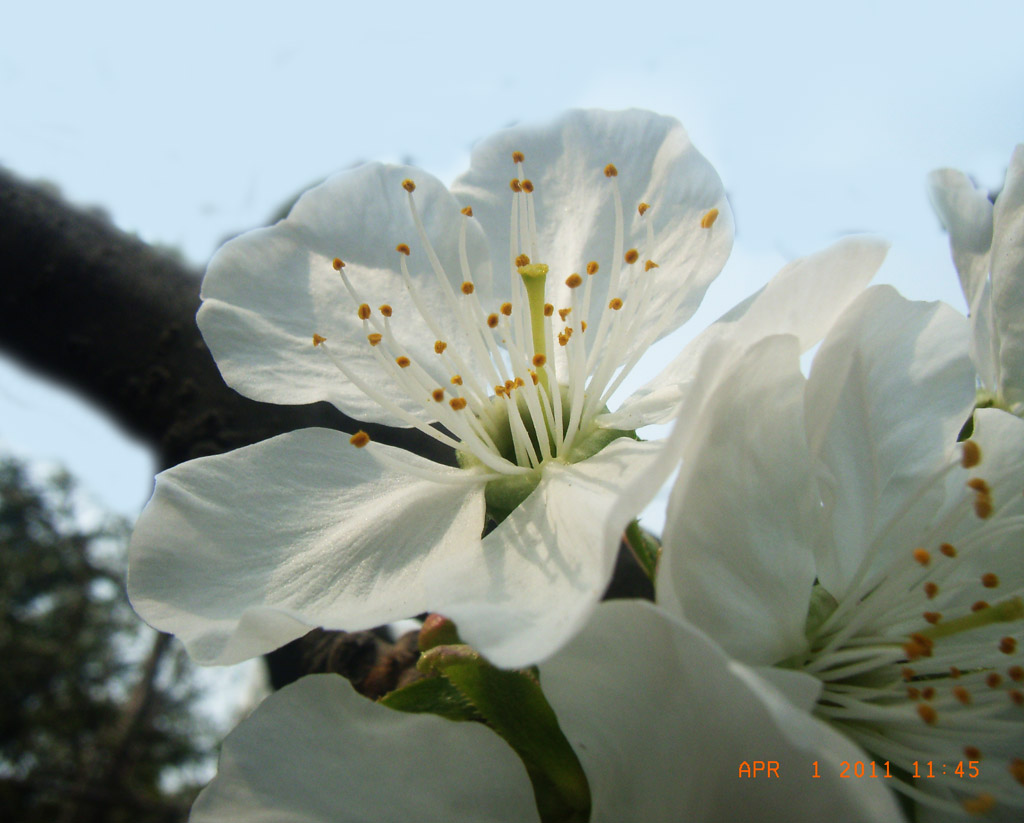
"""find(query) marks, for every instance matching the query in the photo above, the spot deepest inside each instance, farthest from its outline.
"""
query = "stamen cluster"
(921, 660)
(508, 402)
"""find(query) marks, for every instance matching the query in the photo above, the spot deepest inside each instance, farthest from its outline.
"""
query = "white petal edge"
(803, 299)
(657, 164)
(268, 291)
(662, 719)
(1007, 264)
(318, 752)
(889, 390)
(240, 553)
(744, 516)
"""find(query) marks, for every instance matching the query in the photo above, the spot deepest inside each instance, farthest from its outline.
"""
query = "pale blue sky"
(192, 121)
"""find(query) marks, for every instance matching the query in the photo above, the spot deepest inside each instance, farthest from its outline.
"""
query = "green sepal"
(646, 547)
(513, 705)
(432, 695)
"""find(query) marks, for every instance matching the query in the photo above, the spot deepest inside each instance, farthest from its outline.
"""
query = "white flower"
(988, 250)
(508, 312)
(833, 528)
(659, 717)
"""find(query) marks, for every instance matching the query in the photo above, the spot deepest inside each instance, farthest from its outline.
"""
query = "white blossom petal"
(543, 569)
(890, 387)
(1008, 280)
(268, 292)
(240, 553)
(803, 299)
(576, 223)
(316, 752)
(743, 516)
(662, 719)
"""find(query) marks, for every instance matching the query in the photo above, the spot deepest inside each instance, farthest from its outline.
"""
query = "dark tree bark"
(114, 319)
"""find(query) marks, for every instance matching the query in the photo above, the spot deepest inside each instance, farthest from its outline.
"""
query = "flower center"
(920, 669)
(505, 401)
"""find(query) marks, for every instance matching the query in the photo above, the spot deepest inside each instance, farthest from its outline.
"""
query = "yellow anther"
(528, 186)
(922, 556)
(978, 485)
(359, 439)
(989, 580)
(994, 680)
(611, 171)
(467, 288)
(961, 694)
(1008, 645)
(918, 646)
(509, 385)
(948, 549)
(931, 589)
(563, 313)
(982, 804)
(385, 309)
(338, 263)
(408, 185)
(928, 693)
(583, 325)
(979, 605)
(499, 390)
(363, 312)
(927, 713)
(438, 395)
(642, 208)
(1016, 768)
(492, 321)
(403, 361)
(592, 267)
(548, 310)
(907, 673)
(1016, 674)
(632, 256)
(709, 218)
(318, 339)
(539, 360)
(970, 456)
(440, 346)
(983, 506)
(563, 338)
(1017, 697)
(457, 403)
(522, 260)
(534, 378)
(972, 752)
(456, 380)
(374, 338)
(403, 248)
(615, 304)
(468, 211)
(650, 264)
(518, 157)
(913, 693)
(954, 672)
(573, 281)
(515, 185)
(506, 309)
(520, 382)
(932, 617)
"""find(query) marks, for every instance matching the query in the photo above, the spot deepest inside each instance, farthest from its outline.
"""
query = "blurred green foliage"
(95, 720)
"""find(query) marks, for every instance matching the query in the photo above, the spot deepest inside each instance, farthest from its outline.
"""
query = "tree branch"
(114, 319)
